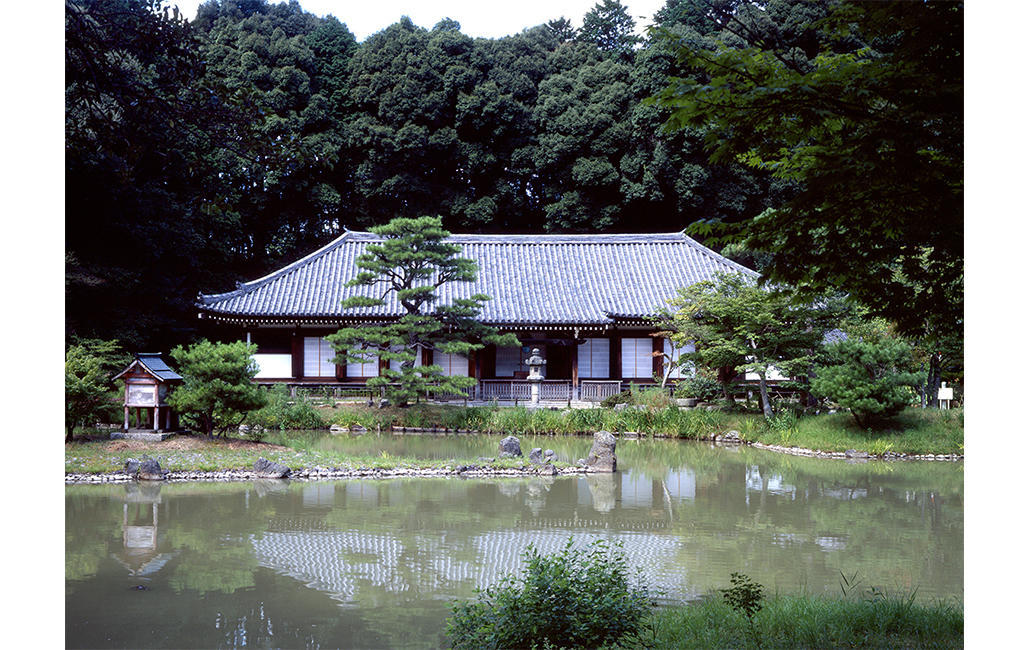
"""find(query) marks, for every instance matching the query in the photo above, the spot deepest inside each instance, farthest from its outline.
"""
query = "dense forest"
(200, 153)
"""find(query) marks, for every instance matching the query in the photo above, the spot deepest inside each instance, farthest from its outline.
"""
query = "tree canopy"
(824, 138)
(861, 105)
(737, 326)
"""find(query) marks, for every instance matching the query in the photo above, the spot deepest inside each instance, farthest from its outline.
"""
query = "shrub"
(578, 598)
(870, 379)
(702, 388)
(625, 397)
(746, 596)
(218, 391)
(284, 412)
(88, 393)
(655, 398)
(781, 420)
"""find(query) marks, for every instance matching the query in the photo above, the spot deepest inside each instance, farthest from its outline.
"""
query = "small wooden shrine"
(148, 381)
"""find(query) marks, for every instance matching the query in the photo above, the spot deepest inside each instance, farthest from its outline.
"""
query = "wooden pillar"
(574, 367)
(297, 351)
(658, 346)
(615, 357)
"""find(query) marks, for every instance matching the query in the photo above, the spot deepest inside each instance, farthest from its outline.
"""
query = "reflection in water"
(374, 564)
(140, 524)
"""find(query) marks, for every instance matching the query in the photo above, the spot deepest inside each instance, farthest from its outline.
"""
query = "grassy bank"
(876, 620)
(94, 454)
(915, 431)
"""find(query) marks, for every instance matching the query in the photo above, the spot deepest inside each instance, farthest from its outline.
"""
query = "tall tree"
(289, 65)
(562, 29)
(609, 26)
(143, 230)
(412, 263)
(703, 16)
(870, 126)
(581, 115)
(405, 83)
(667, 179)
(737, 326)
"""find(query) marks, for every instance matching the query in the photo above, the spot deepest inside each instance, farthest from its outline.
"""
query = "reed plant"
(584, 420)
(509, 421)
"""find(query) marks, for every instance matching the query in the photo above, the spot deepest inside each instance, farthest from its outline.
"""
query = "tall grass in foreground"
(808, 621)
(584, 597)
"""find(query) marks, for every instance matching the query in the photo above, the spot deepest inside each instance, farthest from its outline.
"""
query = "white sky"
(478, 18)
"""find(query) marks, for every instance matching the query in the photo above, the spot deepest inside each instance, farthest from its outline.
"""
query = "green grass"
(99, 456)
(915, 431)
(876, 620)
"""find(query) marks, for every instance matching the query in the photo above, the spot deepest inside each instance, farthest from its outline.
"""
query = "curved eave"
(534, 281)
(329, 320)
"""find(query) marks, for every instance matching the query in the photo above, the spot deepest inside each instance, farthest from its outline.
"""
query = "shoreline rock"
(334, 473)
(853, 455)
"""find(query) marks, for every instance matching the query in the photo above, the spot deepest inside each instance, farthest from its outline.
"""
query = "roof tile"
(531, 279)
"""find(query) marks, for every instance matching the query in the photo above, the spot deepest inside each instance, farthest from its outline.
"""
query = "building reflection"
(140, 526)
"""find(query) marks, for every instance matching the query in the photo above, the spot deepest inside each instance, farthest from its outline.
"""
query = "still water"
(374, 564)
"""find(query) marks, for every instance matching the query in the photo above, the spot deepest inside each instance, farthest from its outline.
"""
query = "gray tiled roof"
(153, 363)
(531, 279)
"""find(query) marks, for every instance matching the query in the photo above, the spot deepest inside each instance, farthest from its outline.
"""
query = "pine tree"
(412, 262)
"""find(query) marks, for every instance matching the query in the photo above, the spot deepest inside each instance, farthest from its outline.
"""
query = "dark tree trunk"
(766, 404)
(725, 377)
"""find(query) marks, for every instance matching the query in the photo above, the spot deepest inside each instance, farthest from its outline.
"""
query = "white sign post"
(945, 396)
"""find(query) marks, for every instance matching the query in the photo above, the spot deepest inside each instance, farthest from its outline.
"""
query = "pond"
(376, 563)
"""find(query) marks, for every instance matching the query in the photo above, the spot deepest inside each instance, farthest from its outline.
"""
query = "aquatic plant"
(582, 597)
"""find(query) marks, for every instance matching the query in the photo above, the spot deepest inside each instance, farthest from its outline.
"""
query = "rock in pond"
(145, 470)
(602, 454)
(269, 469)
(509, 447)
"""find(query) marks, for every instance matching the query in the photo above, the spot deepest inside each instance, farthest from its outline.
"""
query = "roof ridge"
(243, 287)
(615, 274)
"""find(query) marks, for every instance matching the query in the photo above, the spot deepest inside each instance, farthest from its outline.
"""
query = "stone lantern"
(535, 378)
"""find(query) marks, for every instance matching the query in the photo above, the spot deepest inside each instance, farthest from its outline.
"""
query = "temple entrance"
(559, 358)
